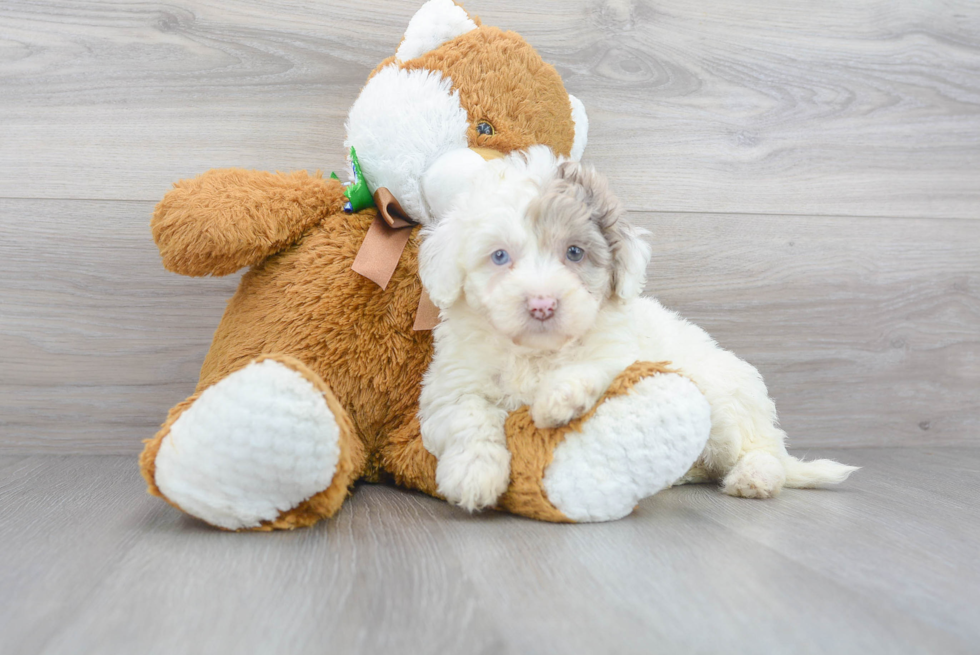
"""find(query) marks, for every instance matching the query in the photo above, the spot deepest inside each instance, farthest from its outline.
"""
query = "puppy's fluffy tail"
(815, 473)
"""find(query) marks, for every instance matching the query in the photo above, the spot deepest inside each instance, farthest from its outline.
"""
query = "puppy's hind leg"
(763, 466)
(761, 474)
(757, 474)
(745, 450)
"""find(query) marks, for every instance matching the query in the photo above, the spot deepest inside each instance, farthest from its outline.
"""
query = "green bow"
(358, 195)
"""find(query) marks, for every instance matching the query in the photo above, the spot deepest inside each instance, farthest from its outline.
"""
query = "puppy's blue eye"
(485, 128)
(574, 254)
(500, 257)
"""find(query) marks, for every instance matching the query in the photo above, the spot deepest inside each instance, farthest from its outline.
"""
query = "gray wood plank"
(866, 330)
(376, 579)
(668, 580)
(64, 524)
(97, 341)
(11, 461)
(89, 565)
(904, 528)
(840, 108)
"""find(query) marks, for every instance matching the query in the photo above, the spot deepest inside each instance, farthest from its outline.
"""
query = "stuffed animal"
(313, 377)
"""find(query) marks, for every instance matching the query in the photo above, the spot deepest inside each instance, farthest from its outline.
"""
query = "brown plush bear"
(313, 378)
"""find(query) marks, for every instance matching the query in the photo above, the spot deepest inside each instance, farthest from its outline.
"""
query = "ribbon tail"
(380, 251)
(427, 316)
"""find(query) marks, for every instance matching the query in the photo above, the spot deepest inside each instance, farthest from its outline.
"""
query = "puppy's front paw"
(557, 404)
(474, 476)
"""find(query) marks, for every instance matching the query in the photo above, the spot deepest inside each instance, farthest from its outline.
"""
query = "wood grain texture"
(903, 496)
(885, 564)
(95, 337)
(866, 330)
(841, 108)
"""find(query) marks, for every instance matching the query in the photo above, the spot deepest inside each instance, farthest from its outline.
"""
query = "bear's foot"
(641, 437)
(633, 446)
(266, 447)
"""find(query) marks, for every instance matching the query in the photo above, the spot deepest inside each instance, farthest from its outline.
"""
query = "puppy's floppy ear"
(439, 268)
(631, 257)
(630, 252)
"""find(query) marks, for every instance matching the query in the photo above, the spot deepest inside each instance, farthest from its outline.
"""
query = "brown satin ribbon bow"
(382, 248)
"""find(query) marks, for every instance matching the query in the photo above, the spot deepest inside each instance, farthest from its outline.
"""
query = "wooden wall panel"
(867, 330)
(97, 341)
(840, 107)
(810, 173)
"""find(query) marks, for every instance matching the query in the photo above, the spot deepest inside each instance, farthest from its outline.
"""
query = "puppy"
(538, 274)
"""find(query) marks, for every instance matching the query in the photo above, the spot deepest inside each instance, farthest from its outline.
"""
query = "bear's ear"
(581, 120)
(436, 22)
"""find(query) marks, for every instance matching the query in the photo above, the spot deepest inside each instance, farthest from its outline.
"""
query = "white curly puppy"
(538, 276)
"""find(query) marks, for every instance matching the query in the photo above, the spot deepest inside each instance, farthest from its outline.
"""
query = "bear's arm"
(230, 218)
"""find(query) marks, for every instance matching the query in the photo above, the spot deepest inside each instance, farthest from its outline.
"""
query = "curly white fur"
(536, 328)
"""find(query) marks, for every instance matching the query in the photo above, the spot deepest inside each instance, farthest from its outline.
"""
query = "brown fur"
(501, 79)
(302, 305)
(230, 218)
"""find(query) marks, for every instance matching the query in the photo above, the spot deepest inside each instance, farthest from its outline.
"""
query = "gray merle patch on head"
(560, 218)
(578, 204)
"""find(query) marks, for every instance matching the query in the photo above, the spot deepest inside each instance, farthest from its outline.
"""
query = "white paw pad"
(631, 448)
(252, 446)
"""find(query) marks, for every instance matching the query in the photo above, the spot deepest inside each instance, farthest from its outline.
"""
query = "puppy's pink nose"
(542, 308)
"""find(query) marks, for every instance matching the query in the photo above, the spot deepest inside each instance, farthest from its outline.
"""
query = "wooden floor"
(810, 172)
(886, 564)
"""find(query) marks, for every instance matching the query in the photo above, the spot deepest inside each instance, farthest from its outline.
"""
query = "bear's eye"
(500, 257)
(574, 254)
(485, 128)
